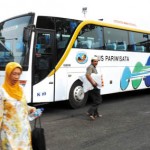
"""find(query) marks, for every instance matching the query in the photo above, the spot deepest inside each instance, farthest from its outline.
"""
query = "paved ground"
(125, 125)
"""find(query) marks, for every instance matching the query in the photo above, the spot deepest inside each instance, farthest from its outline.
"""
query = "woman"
(14, 124)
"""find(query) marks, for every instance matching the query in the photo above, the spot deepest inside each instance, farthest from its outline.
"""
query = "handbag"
(38, 136)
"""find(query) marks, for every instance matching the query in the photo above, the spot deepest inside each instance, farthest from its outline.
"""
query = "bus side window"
(116, 39)
(86, 44)
(138, 42)
(98, 42)
(90, 37)
(140, 49)
(111, 46)
(121, 46)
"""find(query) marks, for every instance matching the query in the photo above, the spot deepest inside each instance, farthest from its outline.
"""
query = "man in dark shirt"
(95, 93)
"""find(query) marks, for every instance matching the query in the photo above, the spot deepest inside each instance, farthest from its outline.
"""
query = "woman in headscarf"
(15, 128)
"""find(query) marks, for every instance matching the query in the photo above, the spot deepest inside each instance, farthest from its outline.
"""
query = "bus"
(55, 51)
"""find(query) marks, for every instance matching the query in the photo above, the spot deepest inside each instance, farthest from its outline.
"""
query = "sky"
(131, 11)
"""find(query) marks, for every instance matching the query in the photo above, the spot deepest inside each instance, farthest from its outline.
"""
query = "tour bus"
(54, 52)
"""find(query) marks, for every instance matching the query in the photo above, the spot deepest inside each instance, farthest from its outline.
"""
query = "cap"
(94, 58)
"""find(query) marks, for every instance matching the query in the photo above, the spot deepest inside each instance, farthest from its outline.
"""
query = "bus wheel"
(77, 97)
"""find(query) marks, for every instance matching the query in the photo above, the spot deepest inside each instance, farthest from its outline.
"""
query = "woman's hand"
(32, 109)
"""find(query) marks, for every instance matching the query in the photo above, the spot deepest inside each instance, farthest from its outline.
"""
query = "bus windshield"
(12, 47)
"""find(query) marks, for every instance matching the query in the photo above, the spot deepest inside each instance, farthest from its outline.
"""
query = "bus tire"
(77, 97)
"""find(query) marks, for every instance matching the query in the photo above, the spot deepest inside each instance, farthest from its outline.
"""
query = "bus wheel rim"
(78, 93)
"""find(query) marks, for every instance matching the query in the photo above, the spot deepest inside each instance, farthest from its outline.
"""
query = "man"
(95, 93)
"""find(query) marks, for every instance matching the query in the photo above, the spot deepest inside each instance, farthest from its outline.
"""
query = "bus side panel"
(61, 84)
(44, 90)
(65, 77)
(25, 81)
(122, 71)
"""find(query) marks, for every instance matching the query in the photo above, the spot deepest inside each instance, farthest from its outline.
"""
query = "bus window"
(63, 27)
(138, 42)
(5, 55)
(115, 39)
(43, 55)
(147, 42)
(43, 43)
(64, 31)
(90, 37)
(98, 38)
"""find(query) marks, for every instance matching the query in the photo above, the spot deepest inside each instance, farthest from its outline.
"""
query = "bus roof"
(117, 24)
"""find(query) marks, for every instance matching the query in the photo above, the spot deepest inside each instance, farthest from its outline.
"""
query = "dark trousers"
(97, 100)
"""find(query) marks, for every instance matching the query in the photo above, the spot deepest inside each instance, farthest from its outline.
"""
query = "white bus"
(55, 51)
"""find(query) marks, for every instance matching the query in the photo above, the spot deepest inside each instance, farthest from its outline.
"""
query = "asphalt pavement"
(125, 124)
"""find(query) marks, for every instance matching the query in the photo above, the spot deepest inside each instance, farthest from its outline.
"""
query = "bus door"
(43, 63)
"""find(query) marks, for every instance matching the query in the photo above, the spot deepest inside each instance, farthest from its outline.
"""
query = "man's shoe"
(98, 115)
(91, 116)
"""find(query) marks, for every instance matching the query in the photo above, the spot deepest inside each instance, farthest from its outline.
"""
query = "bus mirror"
(26, 34)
